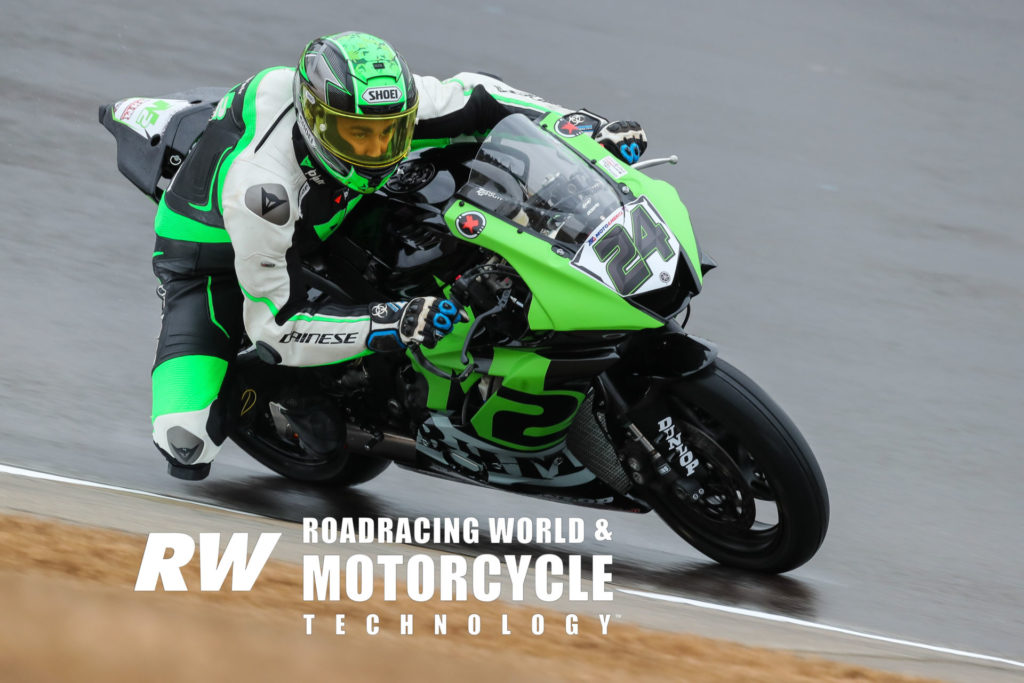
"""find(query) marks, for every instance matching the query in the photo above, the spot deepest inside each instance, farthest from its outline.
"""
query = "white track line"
(821, 627)
(33, 474)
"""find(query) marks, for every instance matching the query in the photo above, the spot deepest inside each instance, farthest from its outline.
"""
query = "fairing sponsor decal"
(147, 116)
(457, 451)
(680, 452)
(470, 224)
(632, 251)
(571, 125)
(612, 166)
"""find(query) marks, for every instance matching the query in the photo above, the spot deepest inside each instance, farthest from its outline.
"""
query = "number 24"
(618, 250)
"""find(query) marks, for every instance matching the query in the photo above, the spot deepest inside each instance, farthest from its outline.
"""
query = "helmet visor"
(362, 140)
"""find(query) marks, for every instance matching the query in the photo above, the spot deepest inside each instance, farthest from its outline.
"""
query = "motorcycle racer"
(285, 157)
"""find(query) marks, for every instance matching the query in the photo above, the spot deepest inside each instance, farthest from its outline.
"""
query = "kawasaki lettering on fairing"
(381, 95)
(320, 338)
(685, 456)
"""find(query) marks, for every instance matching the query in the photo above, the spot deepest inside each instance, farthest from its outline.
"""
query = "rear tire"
(254, 386)
(292, 461)
(758, 500)
(361, 468)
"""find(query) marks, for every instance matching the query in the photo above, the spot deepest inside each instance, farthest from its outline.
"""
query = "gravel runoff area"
(71, 613)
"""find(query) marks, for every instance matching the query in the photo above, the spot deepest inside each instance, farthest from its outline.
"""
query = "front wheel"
(741, 484)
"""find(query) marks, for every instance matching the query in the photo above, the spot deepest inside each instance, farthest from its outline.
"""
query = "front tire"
(757, 500)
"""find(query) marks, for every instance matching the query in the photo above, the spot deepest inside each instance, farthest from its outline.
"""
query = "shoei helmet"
(355, 101)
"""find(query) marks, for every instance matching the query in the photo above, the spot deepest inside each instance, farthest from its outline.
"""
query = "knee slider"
(184, 438)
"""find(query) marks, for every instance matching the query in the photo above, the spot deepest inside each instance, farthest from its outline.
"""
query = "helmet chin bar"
(375, 178)
(361, 180)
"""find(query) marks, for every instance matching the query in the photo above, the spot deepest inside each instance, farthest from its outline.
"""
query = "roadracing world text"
(387, 575)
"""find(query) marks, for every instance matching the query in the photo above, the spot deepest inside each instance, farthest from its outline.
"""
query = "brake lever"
(428, 365)
(422, 360)
(654, 162)
(417, 351)
(472, 330)
(498, 308)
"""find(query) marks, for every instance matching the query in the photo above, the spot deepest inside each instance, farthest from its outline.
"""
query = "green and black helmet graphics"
(355, 100)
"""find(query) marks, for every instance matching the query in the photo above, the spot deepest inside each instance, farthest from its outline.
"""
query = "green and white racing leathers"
(243, 211)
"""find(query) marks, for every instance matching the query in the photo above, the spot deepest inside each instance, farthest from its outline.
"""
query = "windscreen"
(526, 176)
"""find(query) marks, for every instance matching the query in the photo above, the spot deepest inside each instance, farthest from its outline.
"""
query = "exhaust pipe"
(395, 447)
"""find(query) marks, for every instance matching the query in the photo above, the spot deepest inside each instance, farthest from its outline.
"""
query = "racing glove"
(424, 320)
(625, 139)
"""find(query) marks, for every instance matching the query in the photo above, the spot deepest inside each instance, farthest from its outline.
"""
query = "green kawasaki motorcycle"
(572, 381)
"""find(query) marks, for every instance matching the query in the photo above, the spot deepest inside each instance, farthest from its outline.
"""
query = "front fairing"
(601, 246)
(634, 184)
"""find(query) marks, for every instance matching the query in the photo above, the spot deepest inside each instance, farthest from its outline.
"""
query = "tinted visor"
(365, 141)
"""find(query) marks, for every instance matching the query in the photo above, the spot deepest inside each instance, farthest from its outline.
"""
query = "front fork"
(633, 392)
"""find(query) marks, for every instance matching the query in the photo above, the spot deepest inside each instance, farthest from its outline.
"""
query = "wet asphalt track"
(855, 169)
